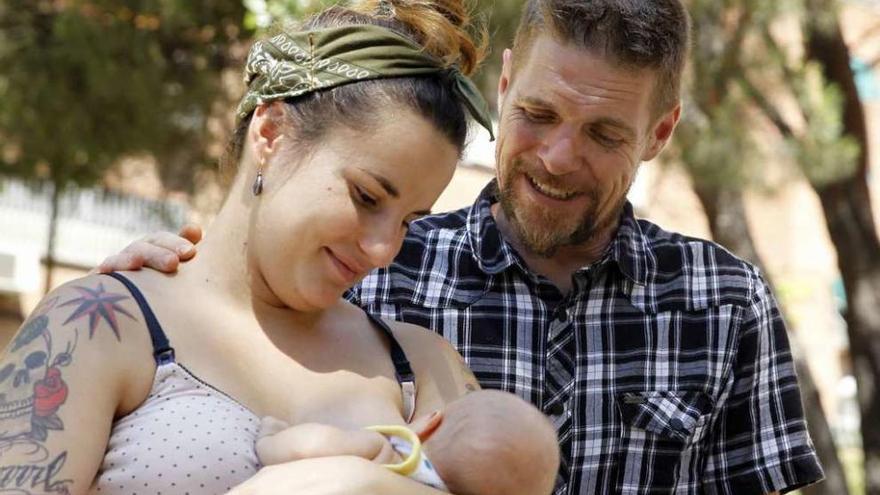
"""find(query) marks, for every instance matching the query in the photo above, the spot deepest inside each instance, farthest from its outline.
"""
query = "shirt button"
(562, 315)
(556, 409)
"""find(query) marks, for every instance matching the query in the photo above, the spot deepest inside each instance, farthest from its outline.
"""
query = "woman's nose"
(381, 243)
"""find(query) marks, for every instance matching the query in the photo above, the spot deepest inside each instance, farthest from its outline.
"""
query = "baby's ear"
(425, 426)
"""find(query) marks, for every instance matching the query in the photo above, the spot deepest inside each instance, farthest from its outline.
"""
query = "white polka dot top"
(186, 438)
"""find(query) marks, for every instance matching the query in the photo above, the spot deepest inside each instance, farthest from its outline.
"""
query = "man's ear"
(425, 426)
(266, 129)
(662, 132)
(504, 80)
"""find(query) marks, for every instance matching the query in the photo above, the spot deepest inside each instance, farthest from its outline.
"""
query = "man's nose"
(559, 153)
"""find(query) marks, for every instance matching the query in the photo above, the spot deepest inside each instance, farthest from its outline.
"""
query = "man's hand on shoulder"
(162, 251)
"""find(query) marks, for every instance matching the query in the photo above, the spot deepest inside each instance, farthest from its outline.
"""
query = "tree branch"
(767, 108)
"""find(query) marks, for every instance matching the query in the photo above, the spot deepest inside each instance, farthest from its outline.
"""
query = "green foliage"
(719, 149)
(502, 18)
(85, 83)
(735, 48)
(824, 153)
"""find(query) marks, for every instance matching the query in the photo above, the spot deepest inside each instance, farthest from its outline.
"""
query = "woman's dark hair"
(442, 27)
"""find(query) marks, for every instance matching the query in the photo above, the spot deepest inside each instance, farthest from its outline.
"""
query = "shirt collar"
(491, 252)
(629, 249)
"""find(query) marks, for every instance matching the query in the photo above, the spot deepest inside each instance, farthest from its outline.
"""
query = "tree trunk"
(55, 201)
(850, 221)
(858, 259)
(727, 222)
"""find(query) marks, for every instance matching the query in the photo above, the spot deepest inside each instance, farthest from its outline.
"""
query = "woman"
(149, 383)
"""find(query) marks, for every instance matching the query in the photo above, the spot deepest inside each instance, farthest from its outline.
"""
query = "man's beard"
(544, 232)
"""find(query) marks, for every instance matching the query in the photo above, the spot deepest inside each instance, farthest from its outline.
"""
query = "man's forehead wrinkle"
(562, 76)
(585, 94)
(586, 91)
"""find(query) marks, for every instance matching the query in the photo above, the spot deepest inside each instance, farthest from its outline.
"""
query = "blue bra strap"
(162, 350)
(403, 371)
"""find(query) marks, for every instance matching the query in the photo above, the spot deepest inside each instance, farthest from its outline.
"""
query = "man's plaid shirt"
(667, 369)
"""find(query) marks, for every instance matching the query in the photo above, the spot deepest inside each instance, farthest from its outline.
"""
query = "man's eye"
(607, 141)
(537, 117)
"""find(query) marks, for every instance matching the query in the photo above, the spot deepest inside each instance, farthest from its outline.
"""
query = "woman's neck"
(223, 264)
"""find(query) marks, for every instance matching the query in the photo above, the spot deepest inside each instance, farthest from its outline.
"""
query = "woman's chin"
(318, 300)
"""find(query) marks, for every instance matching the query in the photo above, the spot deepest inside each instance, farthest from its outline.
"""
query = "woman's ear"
(266, 129)
(425, 426)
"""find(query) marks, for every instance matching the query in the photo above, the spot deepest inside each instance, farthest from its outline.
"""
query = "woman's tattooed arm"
(43, 388)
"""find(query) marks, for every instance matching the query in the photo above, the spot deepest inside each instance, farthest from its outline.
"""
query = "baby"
(484, 443)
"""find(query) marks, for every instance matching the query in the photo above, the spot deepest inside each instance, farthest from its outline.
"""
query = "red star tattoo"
(98, 304)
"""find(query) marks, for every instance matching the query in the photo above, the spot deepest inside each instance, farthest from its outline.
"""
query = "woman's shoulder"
(441, 373)
(74, 365)
(435, 361)
(100, 320)
(98, 306)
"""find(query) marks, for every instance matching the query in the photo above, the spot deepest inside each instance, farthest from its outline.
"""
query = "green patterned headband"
(289, 65)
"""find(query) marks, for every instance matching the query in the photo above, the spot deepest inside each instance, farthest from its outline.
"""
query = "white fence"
(93, 223)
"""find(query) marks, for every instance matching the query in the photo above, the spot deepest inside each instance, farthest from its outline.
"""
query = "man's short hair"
(635, 34)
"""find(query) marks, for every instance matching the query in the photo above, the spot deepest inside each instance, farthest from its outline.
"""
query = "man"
(662, 360)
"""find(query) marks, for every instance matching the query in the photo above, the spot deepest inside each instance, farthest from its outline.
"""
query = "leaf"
(30, 331)
(62, 359)
(6, 372)
(39, 432)
(53, 422)
(35, 360)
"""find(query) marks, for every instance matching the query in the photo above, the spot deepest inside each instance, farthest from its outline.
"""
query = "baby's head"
(490, 442)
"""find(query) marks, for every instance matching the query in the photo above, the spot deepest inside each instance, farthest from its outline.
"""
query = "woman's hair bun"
(444, 28)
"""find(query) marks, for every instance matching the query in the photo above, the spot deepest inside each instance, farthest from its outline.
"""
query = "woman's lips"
(348, 273)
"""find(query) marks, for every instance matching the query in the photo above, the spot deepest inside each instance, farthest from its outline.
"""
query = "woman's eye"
(364, 198)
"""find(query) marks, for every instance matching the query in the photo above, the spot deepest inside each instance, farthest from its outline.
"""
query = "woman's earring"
(258, 182)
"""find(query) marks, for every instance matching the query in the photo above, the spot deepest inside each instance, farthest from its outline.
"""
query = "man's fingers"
(176, 245)
(150, 254)
(161, 251)
(191, 232)
(121, 262)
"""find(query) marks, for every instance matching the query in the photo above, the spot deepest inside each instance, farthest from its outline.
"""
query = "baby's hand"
(270, 447)
(279, 442)
(270, 426)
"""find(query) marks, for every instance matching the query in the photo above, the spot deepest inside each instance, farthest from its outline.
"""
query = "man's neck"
(565, 261)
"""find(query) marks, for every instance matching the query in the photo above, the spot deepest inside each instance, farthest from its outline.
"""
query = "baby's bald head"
(494, 442)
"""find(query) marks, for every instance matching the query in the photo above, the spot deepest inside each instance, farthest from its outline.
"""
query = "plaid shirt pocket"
(672, 414)
(660, 435)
